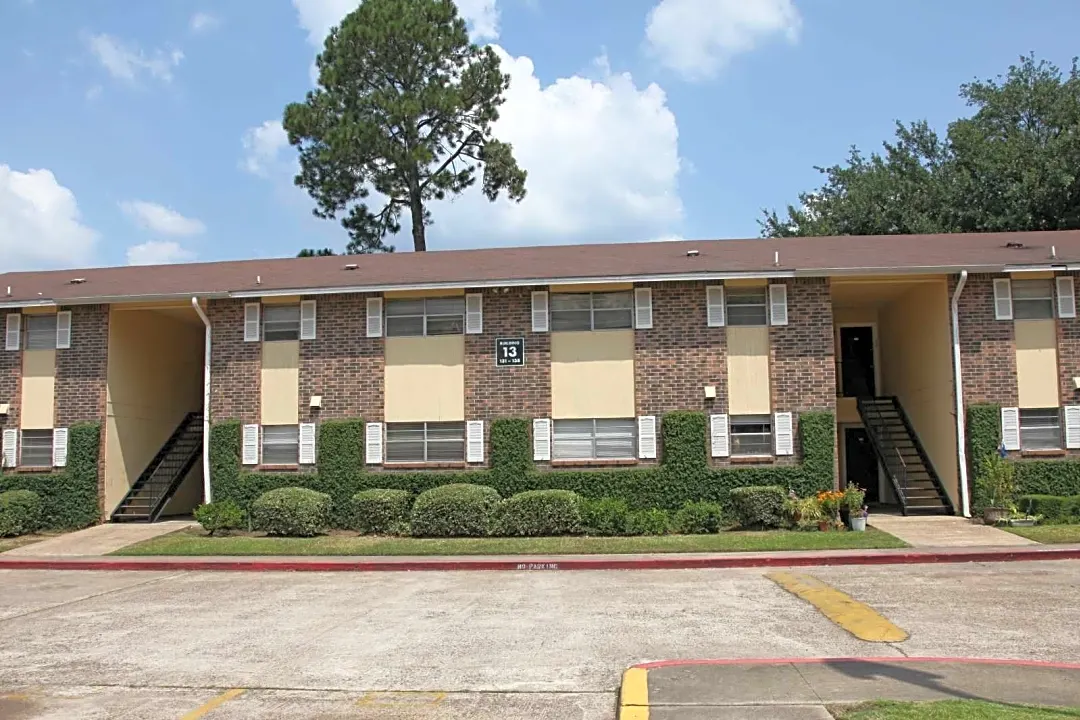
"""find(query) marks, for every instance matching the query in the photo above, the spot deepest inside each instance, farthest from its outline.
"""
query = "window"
(1040, 429)
(37, 448)
(425, 316)
(592, 311)
(425, 442)
(281, 322)
(40, 332)
(1033, 299)
(747, 306)
(594, 439)
(281, 444)
(751, 435)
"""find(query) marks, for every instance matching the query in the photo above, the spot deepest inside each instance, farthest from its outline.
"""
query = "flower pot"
(858, 523)
(994, 515)
(823, 525)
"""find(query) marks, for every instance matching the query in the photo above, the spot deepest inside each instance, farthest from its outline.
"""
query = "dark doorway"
(857, 361)
(861, 463)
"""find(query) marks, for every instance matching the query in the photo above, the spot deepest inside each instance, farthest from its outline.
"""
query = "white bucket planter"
(858, 524)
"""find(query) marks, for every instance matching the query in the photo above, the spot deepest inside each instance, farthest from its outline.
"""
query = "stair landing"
(100, 539)
(943, 531)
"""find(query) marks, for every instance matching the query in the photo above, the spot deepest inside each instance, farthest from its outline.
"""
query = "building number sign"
(510, 352)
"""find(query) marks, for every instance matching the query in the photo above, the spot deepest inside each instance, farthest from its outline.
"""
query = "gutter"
(961, 436)
(206, 401)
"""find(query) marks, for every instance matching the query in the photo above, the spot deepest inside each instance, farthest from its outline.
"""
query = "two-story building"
(594, 344)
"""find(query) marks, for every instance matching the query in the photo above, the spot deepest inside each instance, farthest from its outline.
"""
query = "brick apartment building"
(594, 344)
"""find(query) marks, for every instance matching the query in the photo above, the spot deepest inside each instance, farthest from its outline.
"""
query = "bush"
(219, 516)
(699, 518)
(648, 522)
(1053, 508)
(759, 507)
(458, 510)
(292, 511)
(604, 517)
(381, 512)
(20, 512)
(539, 513)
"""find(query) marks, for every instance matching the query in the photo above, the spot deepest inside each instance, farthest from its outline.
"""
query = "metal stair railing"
(871, 412)
(166, 471)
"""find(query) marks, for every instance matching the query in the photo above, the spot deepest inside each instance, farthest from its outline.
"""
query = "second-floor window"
(1033, 299)
(592, 311)
(425, 316)
(40, 332)
(281, 322)
(747, 306)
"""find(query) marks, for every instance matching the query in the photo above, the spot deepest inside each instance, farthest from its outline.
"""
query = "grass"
(950, 710)
(14, 542)
(1049, 534)
(194, 541)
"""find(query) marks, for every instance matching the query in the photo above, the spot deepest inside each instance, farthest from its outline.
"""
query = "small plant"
(854, 498)
(698, 518)
(759, 507)
(20, 512)
(381, 512)
(540, 513)
(997, 480)
(648, 522)
(219, 517)
(299, 512)
(830, 501)
(808, 514)
(458, 510)
(605, 517)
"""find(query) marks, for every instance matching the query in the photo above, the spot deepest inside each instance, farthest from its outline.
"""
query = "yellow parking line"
(860, 620)
(213, 703)
(634, 695)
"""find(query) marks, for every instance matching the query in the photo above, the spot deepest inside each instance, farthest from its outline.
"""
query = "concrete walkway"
(944, 531)
(98, 540)
(803, 688)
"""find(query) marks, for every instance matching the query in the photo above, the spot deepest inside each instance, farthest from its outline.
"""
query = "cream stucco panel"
(592, 374)
(38, 389)
(425, 379)
(1036, 363)
(281, 382)
(748, 371)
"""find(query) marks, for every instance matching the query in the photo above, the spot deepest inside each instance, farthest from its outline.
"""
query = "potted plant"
(858, 519)
(997, 484)
(830, 501)
(852, 505)
(809, 515)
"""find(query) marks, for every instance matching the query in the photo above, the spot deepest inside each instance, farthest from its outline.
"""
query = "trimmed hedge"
(294, 511)
(698, 518)
(458, 510)
(381, 512)
(648, 522)
(218, 517)
(540, 513)
(604, 517)
(1053, 508)
(69, 498)
(20, 512)
(759, 507)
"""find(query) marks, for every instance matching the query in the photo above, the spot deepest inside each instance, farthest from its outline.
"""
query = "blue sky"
(147, 132)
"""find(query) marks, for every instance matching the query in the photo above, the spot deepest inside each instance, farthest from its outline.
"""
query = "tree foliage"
(312, 252)
(402, 116)
(1013, 165)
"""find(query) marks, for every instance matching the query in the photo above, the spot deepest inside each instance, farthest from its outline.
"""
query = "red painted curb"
(874, 660)
(671, 562)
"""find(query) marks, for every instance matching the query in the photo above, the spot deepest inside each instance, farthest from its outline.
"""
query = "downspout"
(205, 402)
(961, 437)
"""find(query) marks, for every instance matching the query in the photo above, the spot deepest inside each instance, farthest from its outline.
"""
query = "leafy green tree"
(312, 252)
(1013, 165)
(403, 110)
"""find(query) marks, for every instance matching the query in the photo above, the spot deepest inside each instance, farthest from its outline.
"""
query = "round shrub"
(20, 512)
(605, 517)
(698, 518)
(219, 517)
(381, 512)
(648, 522)
(458, 510)
(759, 506)
(541, 512)
(291, 511)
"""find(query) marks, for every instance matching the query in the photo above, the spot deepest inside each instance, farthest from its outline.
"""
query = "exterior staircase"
(900, 452)
(147, 498)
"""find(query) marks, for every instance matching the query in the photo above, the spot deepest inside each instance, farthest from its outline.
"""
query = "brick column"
(1068, 346)
(987, 346)
(234, 365)
(10, 385)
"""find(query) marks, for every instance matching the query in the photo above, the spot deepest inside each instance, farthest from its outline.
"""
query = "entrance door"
(861, 464)
(857, 361)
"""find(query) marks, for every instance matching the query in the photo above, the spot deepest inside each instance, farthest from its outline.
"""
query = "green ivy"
(69, 498)
(511, 448)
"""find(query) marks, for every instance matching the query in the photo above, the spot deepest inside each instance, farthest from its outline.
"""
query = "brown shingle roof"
(811, 256)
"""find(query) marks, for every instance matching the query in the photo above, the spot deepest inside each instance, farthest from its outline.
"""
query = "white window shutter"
(250, 453)
(307, 320)
(540, 311)
(1072, 427)
(14, 329)
(643, 308)
(778, 305)
(307, 443)
(1003, 299)
(11, 446)
(1010, 428)
(541, 439)
(251, 322)
(474, 315)
(59, 447)
(718, 435)
(1066, 298)
(373, 443)
(63, 330)
(784, 433)
(646, 425)
(474, 441)
(714, 299)
(374, 318)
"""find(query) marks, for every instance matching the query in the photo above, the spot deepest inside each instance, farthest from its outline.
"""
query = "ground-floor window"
(37, 448)
(281, 444)
(425, 442)
(594, 439)
(1040, 429)
(751, 435)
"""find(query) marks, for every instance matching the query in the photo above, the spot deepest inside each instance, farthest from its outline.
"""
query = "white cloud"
(482, 17)
(158, 252)
(129, 62)
(40, 225)
(202, 22)
(161, 219)
(318, 16)
(697, 38)
(262, 148)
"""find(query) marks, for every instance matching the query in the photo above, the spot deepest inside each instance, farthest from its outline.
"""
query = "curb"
(668, 562)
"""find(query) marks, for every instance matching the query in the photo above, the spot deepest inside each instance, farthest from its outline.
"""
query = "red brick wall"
(987, 346)
(1068, 337)
(235, 365)
(82, 368)
(10, 383)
